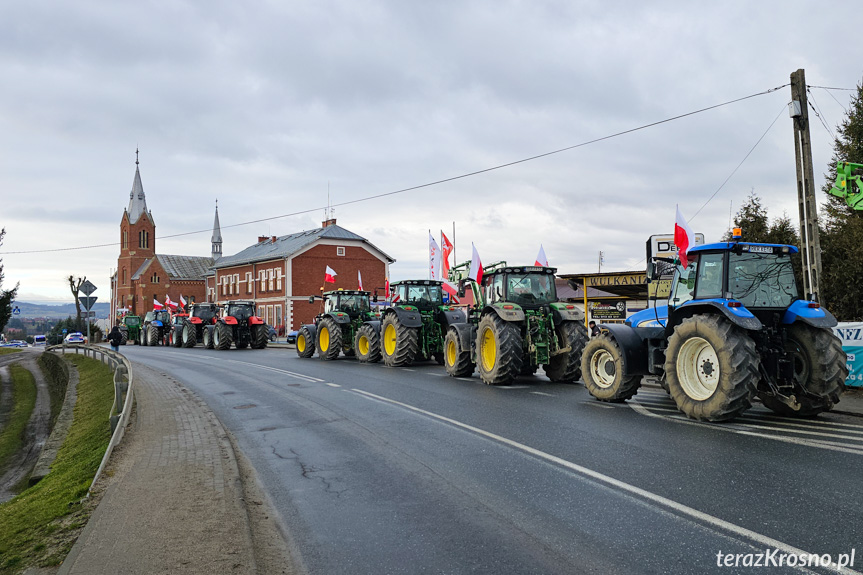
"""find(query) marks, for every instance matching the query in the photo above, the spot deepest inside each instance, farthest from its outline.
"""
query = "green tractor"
(130, 328)
(515, 326)
(415, 326)
(347, 324)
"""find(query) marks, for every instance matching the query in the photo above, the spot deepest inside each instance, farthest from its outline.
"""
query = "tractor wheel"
(399, 343)
(153, 335)
(567, 366)
(142, 335)
(455, 359)
(178, 336)
(711, 368)
(222, 336)
(260, 336)
(208, 337)
(124, 336)
(602, 371)
(305, 343)
(368, 344)
(499, 355)
(190, 337)
(329, 341)
(819, 366)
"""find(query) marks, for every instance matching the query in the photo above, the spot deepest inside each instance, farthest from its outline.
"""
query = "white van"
(39, 340)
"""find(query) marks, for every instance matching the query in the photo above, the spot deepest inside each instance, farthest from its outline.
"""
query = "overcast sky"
(264, 105)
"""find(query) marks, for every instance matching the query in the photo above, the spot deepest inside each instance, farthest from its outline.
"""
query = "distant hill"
(61, 311)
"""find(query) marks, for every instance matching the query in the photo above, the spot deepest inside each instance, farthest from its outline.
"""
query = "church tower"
(216, 239)
(137, 239)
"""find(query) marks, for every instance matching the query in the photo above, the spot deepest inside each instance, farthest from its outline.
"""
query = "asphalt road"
(380, 470)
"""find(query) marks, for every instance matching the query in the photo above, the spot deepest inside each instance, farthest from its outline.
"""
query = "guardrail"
(123, 393)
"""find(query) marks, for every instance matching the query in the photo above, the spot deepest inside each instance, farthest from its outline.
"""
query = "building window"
(340, 251)
(262, 277)
(224, 281)
(154, 278)
(143, 239)
(277, 319)
(125, 279)
(248, 282)
(270, 277)
(278, 279)
(237, 282)
(125, 239)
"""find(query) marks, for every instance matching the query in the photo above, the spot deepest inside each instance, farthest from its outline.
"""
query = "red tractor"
(241, 327)
(198, 325)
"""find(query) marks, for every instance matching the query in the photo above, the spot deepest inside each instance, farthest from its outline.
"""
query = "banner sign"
(609, 309)
(851, 335)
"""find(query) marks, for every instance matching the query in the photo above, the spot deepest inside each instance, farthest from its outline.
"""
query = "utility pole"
(811, 252)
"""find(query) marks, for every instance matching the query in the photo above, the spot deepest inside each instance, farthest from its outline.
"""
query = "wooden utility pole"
(811, 252)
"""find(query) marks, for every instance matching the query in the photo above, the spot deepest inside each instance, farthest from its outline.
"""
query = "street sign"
(87, 302)
(16, 311)
(87, 288)
(64, 331)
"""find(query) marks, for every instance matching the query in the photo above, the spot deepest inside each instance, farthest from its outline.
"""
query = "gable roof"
(179, 268)
(286, 246)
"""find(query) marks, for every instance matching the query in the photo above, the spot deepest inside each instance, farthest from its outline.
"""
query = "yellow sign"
(636, 279)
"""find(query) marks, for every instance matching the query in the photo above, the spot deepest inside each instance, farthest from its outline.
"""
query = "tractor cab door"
(683, 284)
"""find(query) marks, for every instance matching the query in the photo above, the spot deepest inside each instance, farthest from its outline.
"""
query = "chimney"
(328, 223)
(274, 239)
(262, 238)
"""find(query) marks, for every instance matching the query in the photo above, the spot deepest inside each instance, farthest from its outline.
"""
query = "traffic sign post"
(87, 302)
(87, 287)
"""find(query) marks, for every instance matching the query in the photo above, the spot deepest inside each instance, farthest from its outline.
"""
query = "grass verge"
(23, 401)
(39, 526)
(8, 350)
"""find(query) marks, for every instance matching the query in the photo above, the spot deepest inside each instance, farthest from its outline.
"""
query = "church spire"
(137, 201)
(217, 236)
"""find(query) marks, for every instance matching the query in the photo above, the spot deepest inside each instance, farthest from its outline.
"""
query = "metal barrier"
(123, 393)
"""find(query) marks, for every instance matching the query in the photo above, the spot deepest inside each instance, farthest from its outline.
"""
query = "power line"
(436, 182)
(815, 108)
(828, 88)
(834, 97)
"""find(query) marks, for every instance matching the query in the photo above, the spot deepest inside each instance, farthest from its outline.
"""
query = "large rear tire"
(305, 343)
(329, 340)
(368, 344)
(602, 371)
(711, 368)
(152, 335)
(142, 336)
(260, 336)
(820, 366)
(399, 343)
(456, 359)
(499, 355)
(177, 337)
(566, 367)
(124, 336)
(190, 335)
(222, 336)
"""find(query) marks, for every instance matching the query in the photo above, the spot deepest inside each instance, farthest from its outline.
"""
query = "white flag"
(360, 279)
(541, 260)
(434, 259)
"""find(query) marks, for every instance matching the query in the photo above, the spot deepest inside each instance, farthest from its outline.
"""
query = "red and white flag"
(451, 289)
(360, 279)
(434, 259)
(541, 260)
(446, 250)
(683, 237)
(387, 288)
(330, 275)
(475, 266)
(157, 305)
(182, 302)
(171, 304)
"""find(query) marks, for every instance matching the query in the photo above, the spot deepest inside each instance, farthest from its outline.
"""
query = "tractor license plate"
(761, 249)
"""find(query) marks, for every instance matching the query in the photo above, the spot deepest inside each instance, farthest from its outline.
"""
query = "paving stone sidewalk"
(174, 498)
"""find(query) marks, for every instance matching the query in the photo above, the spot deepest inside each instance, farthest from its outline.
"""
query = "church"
(278, 273)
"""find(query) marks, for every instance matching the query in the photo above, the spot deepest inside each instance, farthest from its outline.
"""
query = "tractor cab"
(530, 287)
(241, 310)
(355, 303)
(426, 295)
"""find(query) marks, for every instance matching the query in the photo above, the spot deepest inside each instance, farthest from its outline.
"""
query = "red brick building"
(280, 273)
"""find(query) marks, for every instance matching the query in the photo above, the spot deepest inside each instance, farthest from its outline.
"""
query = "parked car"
(271, 333)
(74, 337)
(292, 336)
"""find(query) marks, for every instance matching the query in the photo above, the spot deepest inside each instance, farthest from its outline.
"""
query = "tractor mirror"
(651, 271)
(311, 299)
(461, 288)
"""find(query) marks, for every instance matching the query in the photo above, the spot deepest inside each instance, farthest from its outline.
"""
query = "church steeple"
(217, 236)
(137, 200)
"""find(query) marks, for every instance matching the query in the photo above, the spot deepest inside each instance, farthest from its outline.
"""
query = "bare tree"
(6, 296)
(75, 286)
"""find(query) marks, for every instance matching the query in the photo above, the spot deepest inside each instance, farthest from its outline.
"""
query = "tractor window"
(710, 276)
(354, 304)
(133, 321)
(762, 280)
(425, 295)
(401, 292)
(684, 283)
(162, 316)
(205, 313)
(530, 289)
(241, 312)
(330, 304)
(495, 291)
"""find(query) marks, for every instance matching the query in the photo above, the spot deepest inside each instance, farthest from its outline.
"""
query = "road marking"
(277, 370)
(510, 386)
(406, 369)
(680, 508)
(334, 385)
(543, 393)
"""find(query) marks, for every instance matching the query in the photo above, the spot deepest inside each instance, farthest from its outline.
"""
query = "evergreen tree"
(6, 296)
(842, 227)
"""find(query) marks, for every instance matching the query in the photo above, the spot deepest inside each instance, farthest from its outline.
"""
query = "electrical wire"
(834, 97)
(828, 88)
(434, 183)
(815, 108)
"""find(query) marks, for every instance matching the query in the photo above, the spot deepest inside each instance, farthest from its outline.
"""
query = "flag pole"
(454, 257)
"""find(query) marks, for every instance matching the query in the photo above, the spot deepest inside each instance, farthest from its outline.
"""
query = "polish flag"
(434, 259)
(330, 275)
(182, 302)
(156, 305)
(541, 260)
(446, 249)
(683, 237)
(451, 289)
(169, 303)
(360, 279)
(387, 288)
(475, 266)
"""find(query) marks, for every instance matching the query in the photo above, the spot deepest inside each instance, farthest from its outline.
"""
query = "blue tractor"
(734, 329)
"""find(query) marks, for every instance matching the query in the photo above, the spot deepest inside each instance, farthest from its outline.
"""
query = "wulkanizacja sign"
(851, 335)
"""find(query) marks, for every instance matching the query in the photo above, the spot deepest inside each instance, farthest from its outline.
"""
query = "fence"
(123, 392)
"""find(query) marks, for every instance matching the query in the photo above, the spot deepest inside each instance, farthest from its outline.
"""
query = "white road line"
(510, 386)
(334, 385)
(277, 370)
(680, 508)
(800, 431)
(406, 369)
(543, 393)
